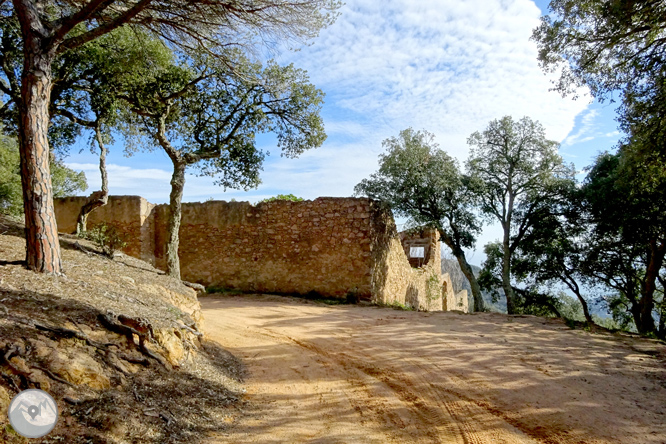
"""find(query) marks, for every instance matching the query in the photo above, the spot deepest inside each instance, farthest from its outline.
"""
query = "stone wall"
(317, 246)
(131, 215)
(396, 281)
(333, 247)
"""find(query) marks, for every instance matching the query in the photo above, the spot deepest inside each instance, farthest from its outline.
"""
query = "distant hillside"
(460, 282)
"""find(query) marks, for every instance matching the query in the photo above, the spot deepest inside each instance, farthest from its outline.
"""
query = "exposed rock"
(5, 399)
(174, 351)
(78, 368)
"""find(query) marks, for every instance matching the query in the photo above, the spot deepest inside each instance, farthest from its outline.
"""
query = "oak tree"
(420, 181)
(605, 45)
(49, 28)
(514, 169)
(204, 116)
(624, 197)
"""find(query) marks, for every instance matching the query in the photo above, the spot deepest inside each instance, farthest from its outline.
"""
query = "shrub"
(289, 197)
(106, 237)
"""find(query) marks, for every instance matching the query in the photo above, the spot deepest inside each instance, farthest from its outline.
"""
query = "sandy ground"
(361, 374)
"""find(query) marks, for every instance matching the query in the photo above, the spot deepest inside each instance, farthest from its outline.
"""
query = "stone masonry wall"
(318, 246)
(129, 214)
(331, 246)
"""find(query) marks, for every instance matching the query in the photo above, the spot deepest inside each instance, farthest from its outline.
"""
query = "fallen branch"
(82, 248)
(198, 287)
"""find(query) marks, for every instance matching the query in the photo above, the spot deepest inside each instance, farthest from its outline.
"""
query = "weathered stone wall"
(129, 214)
(331, 246)
(396, 281)
(318, 246)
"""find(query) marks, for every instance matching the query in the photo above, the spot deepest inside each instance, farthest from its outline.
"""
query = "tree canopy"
(604, 45)
(50, 28)
(65, 180)
(514, 170)
(420, 181)
(206, 116)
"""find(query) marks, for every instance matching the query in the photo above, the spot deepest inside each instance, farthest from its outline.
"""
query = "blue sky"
(445, 66)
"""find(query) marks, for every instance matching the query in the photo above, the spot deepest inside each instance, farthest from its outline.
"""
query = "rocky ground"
(117, 344)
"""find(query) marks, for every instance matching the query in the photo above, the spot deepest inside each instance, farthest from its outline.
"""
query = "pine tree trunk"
(175, 199)
(42, 246)
(98, 198)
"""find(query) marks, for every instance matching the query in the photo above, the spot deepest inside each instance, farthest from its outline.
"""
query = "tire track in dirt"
(430, 410)
(334, 375)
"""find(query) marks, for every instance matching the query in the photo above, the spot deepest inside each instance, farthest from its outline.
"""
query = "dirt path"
(350, 374)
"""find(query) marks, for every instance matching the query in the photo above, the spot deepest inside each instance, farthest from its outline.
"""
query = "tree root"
(53, 376)
(67, 333)
(108, 322)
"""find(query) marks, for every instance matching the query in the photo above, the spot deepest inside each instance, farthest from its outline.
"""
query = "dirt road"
(355, 374)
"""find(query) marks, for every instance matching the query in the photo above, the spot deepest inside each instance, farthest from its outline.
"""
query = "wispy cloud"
(444, 65)
(447, 66)
(585, 129)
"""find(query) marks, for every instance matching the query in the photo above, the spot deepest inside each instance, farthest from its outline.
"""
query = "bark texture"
(506, 272)
(466, 269)
(98, 198)
(175, 215)
(643, 315)
(42, 246)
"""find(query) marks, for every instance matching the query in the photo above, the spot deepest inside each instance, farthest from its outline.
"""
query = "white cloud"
(587, 127)
(447, 66)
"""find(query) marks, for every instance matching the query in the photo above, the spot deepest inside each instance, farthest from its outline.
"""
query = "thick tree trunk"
(506, 274)
(175, 199)
(473, 283)
(98, 198)
(42, 247)
(466, 269)
(586, 310)
(643, 317)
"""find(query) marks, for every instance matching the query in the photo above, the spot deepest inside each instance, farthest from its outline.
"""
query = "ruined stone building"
(334, 247)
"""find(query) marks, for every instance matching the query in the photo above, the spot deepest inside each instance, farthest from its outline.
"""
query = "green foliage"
(514, 172)
(418, 180)
(11, 195)
(107, 237)
(353, 296)
(624, 200)
(398, 306)
(288, 197)
(66, 182)
(206, 115)
(433, 287)
(604, 45)
(422, 182)
(529, 299)
(570, 307)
